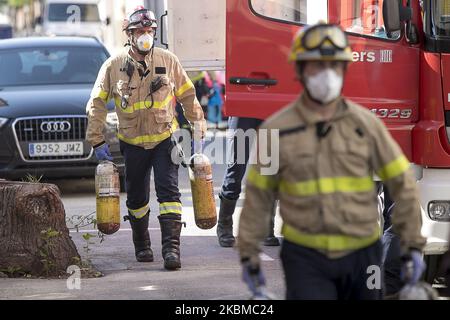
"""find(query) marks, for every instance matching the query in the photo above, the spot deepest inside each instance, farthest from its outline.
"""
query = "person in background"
(201, 89)
(215, 104)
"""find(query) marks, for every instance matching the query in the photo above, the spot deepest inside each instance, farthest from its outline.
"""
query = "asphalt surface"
(208, 270)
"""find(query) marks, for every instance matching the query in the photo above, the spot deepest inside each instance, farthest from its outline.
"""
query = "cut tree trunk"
(34, 238)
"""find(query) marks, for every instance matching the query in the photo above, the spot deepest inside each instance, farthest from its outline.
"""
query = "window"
(441, 17)
(298, 11)
(61, 12)
(45, 66)
(364, 17)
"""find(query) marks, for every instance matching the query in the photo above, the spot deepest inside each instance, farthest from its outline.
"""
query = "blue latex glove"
(413, 267)
(253, 277)
(102, 153)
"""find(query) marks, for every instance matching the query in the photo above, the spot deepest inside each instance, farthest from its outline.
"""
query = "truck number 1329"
(393, 113)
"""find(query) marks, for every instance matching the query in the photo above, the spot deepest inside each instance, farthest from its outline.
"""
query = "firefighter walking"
(144, 83)
(329, 150)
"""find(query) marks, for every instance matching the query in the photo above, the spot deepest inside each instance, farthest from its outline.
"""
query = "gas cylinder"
(200, 175)
(107, 189)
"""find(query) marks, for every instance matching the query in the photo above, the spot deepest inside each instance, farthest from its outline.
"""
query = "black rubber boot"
(225, 222)
(170, 240)
(141, 237)
(271, 240)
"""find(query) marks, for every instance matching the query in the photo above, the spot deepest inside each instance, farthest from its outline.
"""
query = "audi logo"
(55, 126)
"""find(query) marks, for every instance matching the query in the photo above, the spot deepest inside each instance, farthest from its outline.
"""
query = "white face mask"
(324, 86)
(144, 42)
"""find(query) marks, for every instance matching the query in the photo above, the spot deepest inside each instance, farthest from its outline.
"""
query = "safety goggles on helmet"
(323, 42)
(142, 18)
(316, 36)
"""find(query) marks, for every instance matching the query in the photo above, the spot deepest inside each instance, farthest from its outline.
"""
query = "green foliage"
(31, 178)
(13, 271)
(79, 221)
(18, 3)
(45, 250)
(87, 249)
(87, 237)
(48, 238)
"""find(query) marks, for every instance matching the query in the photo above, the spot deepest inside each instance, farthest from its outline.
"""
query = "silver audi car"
(45, 84)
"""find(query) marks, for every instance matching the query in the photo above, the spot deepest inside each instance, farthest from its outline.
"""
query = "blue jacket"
(216, 98)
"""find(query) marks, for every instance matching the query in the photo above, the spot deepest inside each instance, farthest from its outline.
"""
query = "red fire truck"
(401, 71)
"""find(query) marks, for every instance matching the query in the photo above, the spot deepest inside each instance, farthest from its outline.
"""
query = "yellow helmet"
(323, 42)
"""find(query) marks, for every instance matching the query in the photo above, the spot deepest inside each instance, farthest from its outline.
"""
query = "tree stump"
(34, 238)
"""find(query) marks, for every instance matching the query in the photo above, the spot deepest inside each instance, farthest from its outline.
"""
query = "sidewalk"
(208, 272)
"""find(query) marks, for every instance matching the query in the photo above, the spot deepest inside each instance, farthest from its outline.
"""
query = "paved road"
(208, 271)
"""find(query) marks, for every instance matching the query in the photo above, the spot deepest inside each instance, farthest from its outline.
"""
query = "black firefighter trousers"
(310, 275)
(138, 165)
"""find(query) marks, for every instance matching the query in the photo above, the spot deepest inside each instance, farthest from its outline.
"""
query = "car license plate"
(55, 149)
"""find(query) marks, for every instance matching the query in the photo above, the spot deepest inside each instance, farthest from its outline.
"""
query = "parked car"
(45, 84)
(5, 27)
(71, 18)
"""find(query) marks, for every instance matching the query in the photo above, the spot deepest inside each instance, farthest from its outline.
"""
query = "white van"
(72, 18)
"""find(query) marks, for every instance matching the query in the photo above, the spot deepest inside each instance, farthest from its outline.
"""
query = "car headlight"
(439, 210)
(112, 119)
(3, 121)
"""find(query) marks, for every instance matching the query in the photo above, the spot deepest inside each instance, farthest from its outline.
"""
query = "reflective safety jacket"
(325, 182)
(146, 115)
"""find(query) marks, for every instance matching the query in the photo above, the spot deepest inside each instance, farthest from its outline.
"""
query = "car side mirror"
(391, 15)
(38, 20)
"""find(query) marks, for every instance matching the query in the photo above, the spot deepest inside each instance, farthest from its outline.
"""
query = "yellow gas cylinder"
(200, 175)
(107, 189)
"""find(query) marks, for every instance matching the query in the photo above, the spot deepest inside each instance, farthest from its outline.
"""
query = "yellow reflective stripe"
(170, 204)
(170, 211)
(144, 104)
(150, 138)
(327, 185)
(197, 77)
(103, 95)
(139, 213)
(185, 87)
(327, 242)
(394, 168)
(260, 181)
(170, 207)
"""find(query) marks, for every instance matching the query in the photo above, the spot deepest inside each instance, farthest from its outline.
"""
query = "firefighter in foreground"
(144, 82)
(329, 150)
